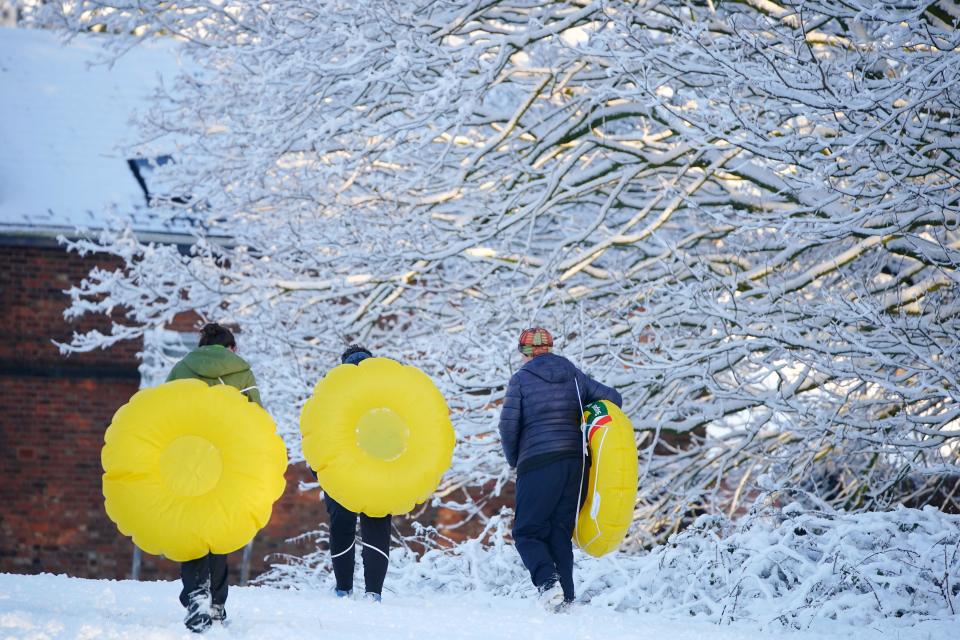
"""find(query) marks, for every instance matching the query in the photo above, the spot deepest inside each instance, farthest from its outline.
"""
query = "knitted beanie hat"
(535, 341)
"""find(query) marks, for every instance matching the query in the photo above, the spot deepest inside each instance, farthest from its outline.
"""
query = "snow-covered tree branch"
(743, 214)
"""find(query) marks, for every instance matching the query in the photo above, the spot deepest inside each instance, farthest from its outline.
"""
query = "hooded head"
(355, 354)
(213, 333)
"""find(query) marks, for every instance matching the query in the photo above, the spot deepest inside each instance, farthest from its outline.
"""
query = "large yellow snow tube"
(612, 489)
(191, 469)
(379, 436)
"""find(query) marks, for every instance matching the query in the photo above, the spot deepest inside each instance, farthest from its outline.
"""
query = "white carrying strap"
(583, 463)
(354, 542)
(595, 506)
(250, 388)
(337, 555)
(368, 546)
(377, 549)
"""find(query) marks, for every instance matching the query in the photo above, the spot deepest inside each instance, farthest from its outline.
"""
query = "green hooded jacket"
(215, 364)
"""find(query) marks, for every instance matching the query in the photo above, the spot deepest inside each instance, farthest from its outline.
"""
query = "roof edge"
(35, 236)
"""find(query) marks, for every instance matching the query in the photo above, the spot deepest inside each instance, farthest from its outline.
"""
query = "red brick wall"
(53, 412)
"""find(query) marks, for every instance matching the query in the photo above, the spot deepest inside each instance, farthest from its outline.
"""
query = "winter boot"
(218, 613)
(550, 593)
(343, 593)
(372, 597)
(198, 619)
(565, 607)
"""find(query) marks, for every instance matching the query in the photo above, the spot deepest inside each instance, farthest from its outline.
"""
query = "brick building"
(61, 125)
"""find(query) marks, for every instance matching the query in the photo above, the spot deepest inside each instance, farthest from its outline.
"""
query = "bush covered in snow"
(795, 564)
(791, 562)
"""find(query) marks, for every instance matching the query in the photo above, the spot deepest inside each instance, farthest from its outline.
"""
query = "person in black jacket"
(541, 437)
(374, 532)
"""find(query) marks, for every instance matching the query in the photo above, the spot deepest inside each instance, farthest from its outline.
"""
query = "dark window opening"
(141, 168)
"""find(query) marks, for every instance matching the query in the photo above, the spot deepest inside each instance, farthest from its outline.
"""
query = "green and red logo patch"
(595, 415)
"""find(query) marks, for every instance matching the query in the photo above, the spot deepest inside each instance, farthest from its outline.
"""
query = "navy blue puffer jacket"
(541, 414)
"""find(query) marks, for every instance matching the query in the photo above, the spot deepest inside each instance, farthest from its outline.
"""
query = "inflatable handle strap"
(595, 507)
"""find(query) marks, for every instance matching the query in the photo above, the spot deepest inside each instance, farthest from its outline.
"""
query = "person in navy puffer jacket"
(541, 437)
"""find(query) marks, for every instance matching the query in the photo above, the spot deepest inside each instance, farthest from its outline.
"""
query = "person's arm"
(510, 420)
(591, 390)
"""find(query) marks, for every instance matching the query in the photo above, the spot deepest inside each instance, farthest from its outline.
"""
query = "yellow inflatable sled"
(379, 436)
(191, 469)
(612, 489)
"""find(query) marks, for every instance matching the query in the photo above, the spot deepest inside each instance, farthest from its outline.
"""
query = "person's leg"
(218, 586)
(195, 575)
(195, 595)
(375, 533)
(537, 496)
(562, 521)
(343, 535)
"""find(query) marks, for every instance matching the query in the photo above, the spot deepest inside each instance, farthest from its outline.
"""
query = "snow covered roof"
(66, 133)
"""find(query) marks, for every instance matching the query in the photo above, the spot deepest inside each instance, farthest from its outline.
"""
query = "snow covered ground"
(46, 607)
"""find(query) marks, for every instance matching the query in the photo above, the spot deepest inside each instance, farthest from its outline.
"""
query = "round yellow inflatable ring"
(191, 469)
(612, 490)
(379, 436)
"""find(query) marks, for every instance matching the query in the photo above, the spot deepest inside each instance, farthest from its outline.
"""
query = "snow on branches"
(794, 561)
(744, 215)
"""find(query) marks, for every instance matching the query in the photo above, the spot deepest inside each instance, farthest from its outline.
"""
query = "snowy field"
(46, 607)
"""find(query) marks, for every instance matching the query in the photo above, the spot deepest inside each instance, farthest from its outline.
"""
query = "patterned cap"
(535, 341)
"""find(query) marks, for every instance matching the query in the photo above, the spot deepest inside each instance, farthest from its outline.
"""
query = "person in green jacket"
(214, 361)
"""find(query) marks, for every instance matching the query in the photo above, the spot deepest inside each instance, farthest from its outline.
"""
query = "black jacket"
(541, 414)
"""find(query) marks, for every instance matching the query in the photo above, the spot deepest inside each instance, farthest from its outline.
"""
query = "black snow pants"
(204, 580)
(545, 515)
(375, 536)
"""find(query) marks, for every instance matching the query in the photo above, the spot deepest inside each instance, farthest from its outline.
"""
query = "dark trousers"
(375, 536)
(204, 580)
(545, 515)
